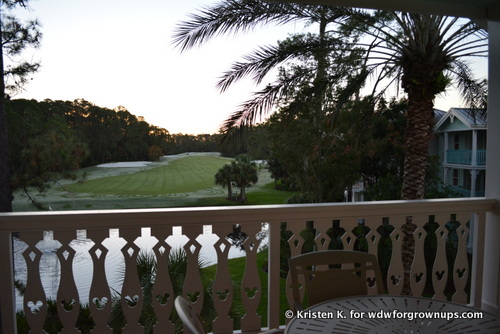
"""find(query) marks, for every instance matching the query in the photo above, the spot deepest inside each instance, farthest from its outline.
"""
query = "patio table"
(386, 314)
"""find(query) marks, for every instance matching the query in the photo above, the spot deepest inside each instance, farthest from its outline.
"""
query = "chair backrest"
(325, 275)
(188, 315)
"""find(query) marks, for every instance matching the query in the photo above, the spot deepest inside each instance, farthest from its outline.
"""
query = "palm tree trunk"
(320, 78)
(243, 195)
(418, 136)
(229, 191)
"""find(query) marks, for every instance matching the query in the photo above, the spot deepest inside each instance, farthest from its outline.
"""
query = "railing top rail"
(92, 219)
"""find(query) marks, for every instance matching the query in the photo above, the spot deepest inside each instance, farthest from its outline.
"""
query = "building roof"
(438, 114)
(471, 118)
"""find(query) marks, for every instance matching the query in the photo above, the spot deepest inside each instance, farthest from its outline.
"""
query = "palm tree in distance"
(242, 172)
(224, 178)
(245, 174)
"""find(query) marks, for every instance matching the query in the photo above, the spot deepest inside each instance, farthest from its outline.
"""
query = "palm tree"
(425, 53)
(224, 178)
(244, 173)
(243, 15)
(422, 52)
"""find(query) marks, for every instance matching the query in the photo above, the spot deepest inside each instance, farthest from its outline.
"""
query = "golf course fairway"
(188, 174)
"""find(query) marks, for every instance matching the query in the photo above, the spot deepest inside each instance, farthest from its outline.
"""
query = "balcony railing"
(466, 192)
(481, 157)
(464, 157)
(84, 244)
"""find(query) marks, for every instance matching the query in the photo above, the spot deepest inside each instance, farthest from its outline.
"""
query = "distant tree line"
(48, 138)
(102, 134)
(180, 143)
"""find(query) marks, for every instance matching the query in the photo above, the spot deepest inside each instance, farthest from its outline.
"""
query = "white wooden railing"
(352, 225)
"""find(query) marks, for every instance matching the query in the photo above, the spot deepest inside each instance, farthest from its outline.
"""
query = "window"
(456, 142)
(454, 180)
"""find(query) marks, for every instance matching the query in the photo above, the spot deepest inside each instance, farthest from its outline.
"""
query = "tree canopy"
(49, 138)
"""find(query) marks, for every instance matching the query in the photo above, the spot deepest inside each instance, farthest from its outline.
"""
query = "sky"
(120, 53)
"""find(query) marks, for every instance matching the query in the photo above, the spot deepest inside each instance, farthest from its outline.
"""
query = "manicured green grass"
(185, 182)
(180, 176)
(266, 194)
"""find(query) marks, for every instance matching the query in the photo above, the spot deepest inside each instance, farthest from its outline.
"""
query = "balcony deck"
(443, 223)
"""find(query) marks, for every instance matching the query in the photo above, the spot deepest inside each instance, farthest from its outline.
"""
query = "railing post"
(273, 278)
(445, 154)
(7, 291)
(491, 273)
(474, 148)
(476, 287)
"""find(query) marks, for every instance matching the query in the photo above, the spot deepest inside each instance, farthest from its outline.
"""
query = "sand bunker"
(164, 160)
(125, 164)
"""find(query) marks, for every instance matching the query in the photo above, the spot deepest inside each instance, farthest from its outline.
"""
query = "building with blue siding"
(460, 143)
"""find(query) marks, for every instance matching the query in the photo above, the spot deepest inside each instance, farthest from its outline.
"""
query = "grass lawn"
(188, 174)
(266, 194)
(185, 181)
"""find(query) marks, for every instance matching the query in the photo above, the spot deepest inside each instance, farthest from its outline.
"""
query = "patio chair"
(192, 321)
(188, 315)
(325, 275)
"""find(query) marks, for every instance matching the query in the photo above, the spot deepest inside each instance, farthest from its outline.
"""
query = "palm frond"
(261, 61)
(232, 16)
(262, 102)
(474, 92)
